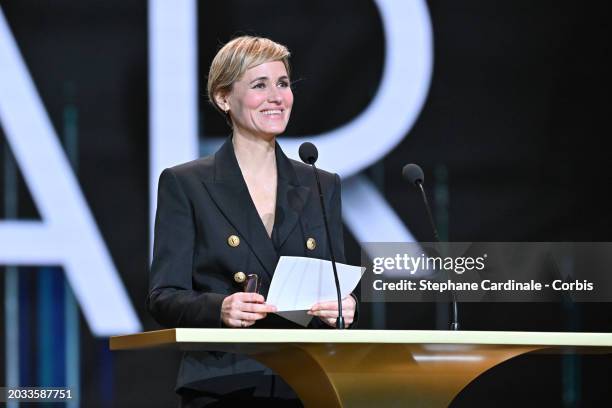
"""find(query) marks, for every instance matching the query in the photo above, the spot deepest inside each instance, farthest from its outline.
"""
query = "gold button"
(311, 244)
(239, 277)
(233, 241)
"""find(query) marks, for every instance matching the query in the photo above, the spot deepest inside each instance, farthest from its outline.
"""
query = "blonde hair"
(236, 57)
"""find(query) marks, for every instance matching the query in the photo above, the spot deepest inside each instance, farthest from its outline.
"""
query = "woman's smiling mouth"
(272, 113)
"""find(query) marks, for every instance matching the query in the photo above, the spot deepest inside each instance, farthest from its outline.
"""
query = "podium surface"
(355, 368)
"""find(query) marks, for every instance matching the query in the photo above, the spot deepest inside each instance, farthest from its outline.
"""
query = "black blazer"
(200, 205)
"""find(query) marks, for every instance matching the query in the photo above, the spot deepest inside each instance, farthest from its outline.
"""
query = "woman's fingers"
(257, 308)
(248, 297)
(242, 319)
(348, 304)
(244, 309)
(348, 320)
(248, 316)
(333, 314)
(240, 323)
(326, 306)
(328, 311)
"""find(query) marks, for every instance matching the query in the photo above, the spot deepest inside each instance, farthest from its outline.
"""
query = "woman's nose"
(274, 95)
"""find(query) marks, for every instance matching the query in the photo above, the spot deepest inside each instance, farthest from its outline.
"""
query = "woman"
(237, 212)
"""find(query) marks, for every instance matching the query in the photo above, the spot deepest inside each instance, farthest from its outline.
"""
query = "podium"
(365, 368)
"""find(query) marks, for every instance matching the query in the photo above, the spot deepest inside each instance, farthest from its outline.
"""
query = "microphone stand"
(340, 319)
(455, 323)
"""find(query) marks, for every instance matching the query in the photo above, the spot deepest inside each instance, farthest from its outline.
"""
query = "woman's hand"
(328, 311)
(244, 309)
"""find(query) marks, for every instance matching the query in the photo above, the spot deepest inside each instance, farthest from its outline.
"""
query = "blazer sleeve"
(172, 301)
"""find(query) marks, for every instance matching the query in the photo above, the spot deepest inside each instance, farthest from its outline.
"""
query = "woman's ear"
(221, 100)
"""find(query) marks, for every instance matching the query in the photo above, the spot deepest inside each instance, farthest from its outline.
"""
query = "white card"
(300, 282)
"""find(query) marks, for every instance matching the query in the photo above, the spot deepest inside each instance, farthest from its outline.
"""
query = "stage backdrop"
(504, 105)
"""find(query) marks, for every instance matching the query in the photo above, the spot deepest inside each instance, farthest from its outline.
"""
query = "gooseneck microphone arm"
(455, 323)
(340, 319)
(414, 174)
(309, 154)
(431, 221)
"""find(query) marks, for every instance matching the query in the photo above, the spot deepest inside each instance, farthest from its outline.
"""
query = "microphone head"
(413, 173)
(308, 153)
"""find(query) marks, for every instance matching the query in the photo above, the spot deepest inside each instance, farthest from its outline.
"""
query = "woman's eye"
(283, 84)
(260, 85)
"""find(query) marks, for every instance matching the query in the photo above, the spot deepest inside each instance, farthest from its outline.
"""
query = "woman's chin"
(271, 132)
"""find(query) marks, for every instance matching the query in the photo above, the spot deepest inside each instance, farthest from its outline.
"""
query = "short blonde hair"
(236, 57)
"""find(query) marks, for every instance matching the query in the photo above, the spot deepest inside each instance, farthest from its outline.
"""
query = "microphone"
(309, 155)
(414, 175)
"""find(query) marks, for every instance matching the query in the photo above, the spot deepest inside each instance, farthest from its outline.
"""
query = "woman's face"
(260, 102)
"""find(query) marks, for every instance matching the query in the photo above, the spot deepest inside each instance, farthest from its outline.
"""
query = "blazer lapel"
(231, 195)
(290, 198)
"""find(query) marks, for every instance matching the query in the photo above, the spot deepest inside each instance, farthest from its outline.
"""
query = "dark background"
(513, 140)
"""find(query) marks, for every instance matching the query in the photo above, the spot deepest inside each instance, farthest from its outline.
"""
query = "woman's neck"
(256, 156)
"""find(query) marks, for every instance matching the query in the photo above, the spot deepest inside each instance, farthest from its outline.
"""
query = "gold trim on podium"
(363, 368)
(144, 340)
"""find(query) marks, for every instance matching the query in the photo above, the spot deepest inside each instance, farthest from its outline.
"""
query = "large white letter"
(363, 141)
(67, 234)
